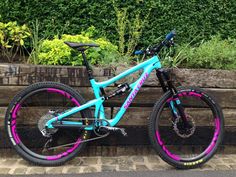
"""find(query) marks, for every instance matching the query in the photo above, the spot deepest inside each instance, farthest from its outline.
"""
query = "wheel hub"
(184, 130)
(42, 124)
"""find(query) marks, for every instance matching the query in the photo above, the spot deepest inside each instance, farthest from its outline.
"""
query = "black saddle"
(80, 46)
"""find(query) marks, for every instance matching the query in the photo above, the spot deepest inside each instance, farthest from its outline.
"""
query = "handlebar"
(138, 52)
(168, 41)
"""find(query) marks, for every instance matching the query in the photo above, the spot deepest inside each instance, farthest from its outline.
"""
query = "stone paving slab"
(18, 166)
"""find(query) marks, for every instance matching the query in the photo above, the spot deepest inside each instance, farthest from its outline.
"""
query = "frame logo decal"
(135, 91)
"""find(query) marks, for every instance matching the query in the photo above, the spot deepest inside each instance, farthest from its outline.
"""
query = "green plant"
(36, 43)
(169, 60)
(55, 52)
(12, 39)
(215, 53)
(121, 27)
(135, 31)
(130, 28)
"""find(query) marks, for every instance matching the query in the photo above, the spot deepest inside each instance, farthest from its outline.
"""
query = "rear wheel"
(191, 144)
(27, 115)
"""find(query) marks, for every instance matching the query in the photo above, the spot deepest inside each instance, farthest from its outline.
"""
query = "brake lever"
(170, 43)
(149, 51)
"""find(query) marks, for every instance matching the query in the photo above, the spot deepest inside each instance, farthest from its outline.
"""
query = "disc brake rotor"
(181, 129)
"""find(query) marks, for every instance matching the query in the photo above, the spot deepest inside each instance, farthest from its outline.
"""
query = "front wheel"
(191, 141)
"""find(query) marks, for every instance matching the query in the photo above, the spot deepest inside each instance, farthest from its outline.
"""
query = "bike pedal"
(116, 129)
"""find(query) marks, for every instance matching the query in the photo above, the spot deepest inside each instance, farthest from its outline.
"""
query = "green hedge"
(192, 19)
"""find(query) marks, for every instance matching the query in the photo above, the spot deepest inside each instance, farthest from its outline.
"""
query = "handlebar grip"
(138, 52)
(170, 35)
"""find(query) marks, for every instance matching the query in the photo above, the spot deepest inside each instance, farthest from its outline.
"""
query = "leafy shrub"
(12, 39)
(215, 53)
(55, 52)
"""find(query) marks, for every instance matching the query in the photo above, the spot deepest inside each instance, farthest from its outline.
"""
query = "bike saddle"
(75, 45)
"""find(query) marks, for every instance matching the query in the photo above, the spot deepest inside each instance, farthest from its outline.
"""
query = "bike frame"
(147, 66)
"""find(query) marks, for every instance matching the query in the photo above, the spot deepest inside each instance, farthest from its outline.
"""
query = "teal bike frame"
(147, 66)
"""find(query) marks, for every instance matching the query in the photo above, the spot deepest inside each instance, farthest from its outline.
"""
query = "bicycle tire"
(13, 137)
(160, 146)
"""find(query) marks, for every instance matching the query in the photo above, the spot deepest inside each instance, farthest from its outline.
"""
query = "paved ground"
(230, 173)
(109, 164)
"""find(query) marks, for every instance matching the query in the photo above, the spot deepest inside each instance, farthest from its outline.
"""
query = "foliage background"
(193, 19)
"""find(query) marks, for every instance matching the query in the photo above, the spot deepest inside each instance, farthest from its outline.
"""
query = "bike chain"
(83, 141)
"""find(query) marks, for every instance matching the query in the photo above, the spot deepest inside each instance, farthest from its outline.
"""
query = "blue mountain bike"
(49, 123)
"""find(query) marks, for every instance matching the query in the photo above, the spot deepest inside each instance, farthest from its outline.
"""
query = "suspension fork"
(163, 76)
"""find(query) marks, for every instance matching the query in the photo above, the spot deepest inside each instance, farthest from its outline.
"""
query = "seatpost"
(89, 70)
